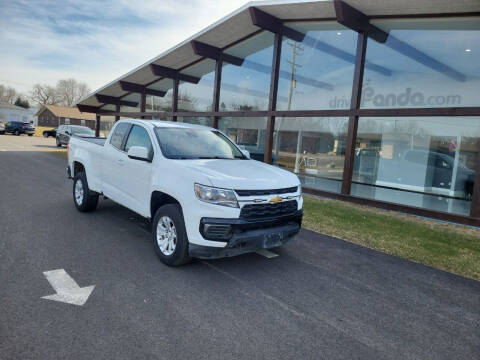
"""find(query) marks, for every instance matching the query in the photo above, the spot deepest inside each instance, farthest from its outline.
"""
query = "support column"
(143, 102)
(117, 110)
(97, 125)
(272, 100)
(216, 90)
(475, 205)
(353, 120)
(176, 82)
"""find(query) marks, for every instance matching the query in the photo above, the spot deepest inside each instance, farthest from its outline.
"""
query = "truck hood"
(241, 174)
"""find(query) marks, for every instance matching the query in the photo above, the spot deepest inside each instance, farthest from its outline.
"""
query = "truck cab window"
(118, 135)
(138, 137)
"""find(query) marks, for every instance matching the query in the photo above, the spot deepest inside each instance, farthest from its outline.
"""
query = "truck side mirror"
(246, 153)
(139, 153)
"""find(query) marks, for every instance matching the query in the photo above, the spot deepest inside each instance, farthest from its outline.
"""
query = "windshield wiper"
(214, 157)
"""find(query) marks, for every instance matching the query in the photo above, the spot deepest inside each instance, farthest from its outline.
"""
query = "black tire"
(88, 200)
(17, 133)
(45, 135)
(180, 254)
(30, 134)
(59, 144)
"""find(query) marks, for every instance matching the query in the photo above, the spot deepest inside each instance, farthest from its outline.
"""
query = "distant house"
(9, 112)
(52, 115)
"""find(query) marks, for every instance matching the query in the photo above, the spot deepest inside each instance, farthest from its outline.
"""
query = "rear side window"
(118, 135)
(138, 137)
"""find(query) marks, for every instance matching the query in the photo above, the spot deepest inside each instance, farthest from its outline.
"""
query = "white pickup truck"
(205, 197)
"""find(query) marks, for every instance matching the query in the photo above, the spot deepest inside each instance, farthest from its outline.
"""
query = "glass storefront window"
(164, 103)
(133, 97)
(247, 133)
(247, 87)
(431, 63)
(318, 72)
(422, 162)
(197, 97)
(313, 148)
(205, 121)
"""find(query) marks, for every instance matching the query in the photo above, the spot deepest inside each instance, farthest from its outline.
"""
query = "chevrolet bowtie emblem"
(275, 199)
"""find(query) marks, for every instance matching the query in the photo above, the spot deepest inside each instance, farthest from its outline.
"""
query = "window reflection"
(318, 72)
(431, 63)
(313, 148)
(205, 121)
(247, 87)
(133, 97)
(248, 133)
(160, 103)
(423, 162)
(197, 97)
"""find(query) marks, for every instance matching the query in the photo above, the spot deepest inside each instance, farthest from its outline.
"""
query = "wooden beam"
(97, 125)
(353, 120)
(212, 52)
(143, 103)
(216, 90)
(114, 100)
(173, 74)
(88, 108)
(358, 21)
(175, 98)
(137, 88)
(273, 24)
(93, 109)
(272, 99)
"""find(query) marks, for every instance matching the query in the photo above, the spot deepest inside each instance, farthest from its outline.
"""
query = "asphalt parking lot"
(320, 298)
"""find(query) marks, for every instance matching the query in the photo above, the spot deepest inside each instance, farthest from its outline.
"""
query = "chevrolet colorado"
(204, 195)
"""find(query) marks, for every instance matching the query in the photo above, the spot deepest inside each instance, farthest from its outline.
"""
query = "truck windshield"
(82, 130)
(187, 143)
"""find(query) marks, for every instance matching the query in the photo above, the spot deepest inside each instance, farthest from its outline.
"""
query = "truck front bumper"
(244, 236)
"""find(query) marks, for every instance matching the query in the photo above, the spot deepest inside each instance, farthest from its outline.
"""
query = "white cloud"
(44, 42)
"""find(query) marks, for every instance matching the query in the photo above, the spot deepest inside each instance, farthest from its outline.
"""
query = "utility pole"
(297, 50)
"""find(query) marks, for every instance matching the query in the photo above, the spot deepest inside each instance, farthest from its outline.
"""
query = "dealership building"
(371, 101)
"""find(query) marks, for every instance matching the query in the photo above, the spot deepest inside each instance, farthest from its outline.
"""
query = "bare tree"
(44, 94)
(8, 94)
(70, 91)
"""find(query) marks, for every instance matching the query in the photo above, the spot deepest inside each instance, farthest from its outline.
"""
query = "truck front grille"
(266, 192)
(256, 211)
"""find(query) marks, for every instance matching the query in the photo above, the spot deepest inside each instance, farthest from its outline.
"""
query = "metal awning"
(238, 25)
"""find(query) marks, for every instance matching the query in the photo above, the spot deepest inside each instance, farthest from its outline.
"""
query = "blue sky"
(94, 41)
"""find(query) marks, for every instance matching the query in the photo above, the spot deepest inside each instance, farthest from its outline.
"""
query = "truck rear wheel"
(84, 199)
(170, 236)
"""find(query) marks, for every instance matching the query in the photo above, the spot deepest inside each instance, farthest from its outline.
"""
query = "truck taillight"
(22, 127)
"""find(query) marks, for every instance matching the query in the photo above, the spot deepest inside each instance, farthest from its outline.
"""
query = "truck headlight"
(216, 196)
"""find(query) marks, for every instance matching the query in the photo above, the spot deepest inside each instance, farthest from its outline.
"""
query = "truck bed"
(95, 140)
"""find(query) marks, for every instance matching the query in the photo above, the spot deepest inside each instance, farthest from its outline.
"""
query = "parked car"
(205, 196)
(65, 132)
(51, 132)
(19, 127)
(419, 170)
(2, 128)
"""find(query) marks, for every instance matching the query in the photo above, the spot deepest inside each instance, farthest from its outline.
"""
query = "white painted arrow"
(67, 289)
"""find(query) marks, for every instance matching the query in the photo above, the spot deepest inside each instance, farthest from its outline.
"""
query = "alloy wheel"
(166, 235)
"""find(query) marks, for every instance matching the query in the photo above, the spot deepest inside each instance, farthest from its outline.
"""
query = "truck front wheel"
(84, 199)
(169, 235)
